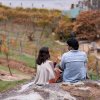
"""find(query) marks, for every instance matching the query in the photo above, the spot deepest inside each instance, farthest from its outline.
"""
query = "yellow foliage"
(4, 49)
(3, 38)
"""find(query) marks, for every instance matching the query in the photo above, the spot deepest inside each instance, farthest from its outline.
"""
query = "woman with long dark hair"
(45, 67)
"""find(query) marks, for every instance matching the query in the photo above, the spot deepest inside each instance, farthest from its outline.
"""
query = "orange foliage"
(87, 25)
(13, 42)
(4, 49)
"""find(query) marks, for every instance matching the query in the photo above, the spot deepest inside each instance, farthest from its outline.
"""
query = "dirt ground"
(25, 71)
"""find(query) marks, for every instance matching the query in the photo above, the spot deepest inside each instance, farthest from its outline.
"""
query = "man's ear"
(70, 48)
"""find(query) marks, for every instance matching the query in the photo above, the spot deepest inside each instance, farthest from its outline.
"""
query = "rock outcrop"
(87, 90)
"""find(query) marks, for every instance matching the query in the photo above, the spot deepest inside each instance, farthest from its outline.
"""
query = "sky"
(50, 4)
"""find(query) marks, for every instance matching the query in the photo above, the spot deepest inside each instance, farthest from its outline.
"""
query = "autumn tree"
(5, 49)
(87, 25)
(63, 28)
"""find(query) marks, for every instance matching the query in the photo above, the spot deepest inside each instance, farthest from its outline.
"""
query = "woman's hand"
(57, 73)
(57, 70)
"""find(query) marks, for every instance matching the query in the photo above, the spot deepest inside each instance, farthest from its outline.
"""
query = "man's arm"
(62, 63)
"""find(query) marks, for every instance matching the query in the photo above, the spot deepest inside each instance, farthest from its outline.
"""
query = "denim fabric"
(73, 64)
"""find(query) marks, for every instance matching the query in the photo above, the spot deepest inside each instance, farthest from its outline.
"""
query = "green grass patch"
(94, 77)
(5, 85)
(2, 55)
(14, 71)
(30, 61)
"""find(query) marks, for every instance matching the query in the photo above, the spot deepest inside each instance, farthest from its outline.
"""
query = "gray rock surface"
(87, 90)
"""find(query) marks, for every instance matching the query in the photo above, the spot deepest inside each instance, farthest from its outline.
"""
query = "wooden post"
(20, 47)
(7, 55)
(35, 56)
(88, 50)
(97, 69)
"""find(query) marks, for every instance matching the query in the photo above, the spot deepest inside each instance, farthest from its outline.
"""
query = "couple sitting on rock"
(72, 68)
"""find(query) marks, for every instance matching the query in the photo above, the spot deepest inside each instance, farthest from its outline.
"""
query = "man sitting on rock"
(73, 63)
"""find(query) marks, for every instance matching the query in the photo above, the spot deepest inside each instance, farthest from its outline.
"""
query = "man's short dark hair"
(72, 42)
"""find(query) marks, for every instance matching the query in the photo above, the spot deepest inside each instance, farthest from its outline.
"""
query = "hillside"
(24, 31)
